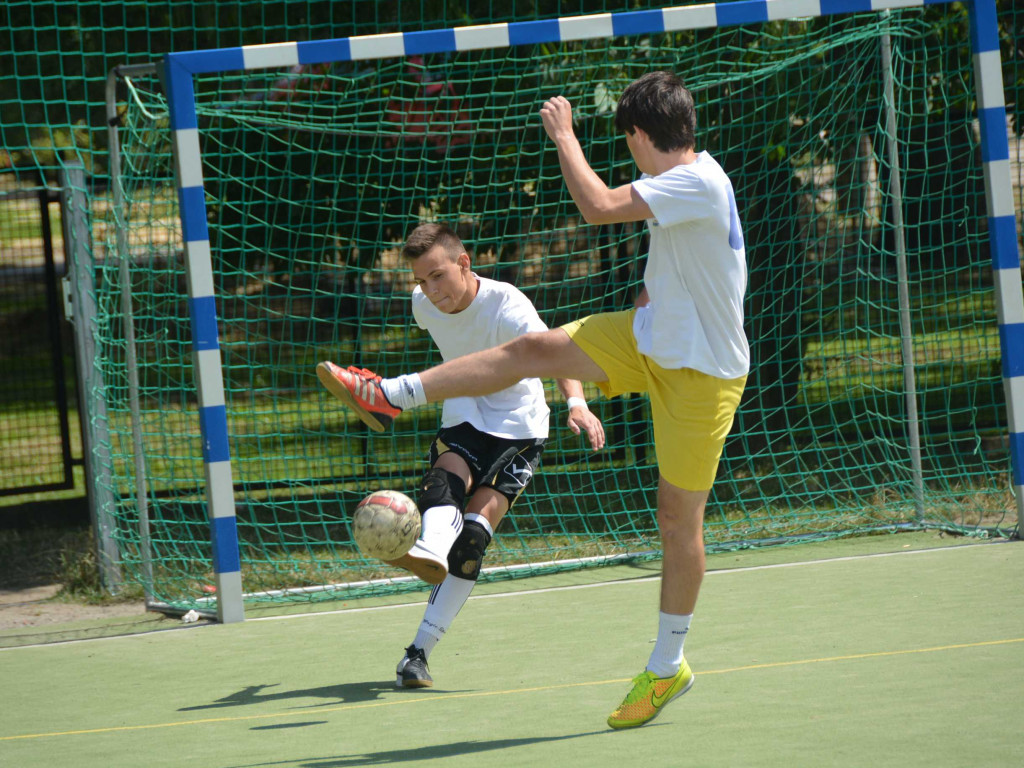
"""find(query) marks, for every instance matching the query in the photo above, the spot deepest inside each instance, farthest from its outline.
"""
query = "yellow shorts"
(692, 412)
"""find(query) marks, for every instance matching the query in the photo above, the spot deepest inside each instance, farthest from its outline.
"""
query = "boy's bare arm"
(598, 203)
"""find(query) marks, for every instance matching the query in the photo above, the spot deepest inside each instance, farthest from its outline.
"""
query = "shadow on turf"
(347, 692)
(284, 726)
(435, 751)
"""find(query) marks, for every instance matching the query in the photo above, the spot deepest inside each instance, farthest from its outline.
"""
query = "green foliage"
(62, 52)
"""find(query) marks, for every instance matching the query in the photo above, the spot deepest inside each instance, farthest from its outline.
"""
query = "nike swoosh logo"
(659, 701)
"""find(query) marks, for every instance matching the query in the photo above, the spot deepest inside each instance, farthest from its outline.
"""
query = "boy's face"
(448, 284)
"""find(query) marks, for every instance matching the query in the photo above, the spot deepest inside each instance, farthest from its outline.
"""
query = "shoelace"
(639, 691)
(412, 653)
(365, 373)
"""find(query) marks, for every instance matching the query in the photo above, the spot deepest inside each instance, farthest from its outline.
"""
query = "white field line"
(644, 580)
(499, 595)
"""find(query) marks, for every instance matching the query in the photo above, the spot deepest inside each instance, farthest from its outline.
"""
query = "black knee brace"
(467, 552)
(440, 488)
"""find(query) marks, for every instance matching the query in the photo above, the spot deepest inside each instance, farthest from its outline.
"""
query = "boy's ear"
(464, 260)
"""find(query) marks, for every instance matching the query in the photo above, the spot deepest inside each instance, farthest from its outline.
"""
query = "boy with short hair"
(487, 448)
(683, 344)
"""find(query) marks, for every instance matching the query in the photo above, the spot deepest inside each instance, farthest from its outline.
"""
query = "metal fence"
(38, 441)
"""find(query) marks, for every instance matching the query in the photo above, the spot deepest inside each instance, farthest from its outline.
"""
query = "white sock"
(446, 600)
(667, 656)
(405, 391)
(439, 529)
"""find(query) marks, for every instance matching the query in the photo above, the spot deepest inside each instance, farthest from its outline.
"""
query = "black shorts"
(494, 462)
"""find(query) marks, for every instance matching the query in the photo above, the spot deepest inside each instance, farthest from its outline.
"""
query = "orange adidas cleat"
(360, 390)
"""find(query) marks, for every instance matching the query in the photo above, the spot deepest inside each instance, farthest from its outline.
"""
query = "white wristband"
(572, 402)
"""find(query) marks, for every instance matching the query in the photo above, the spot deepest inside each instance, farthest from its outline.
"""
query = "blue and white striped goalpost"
(1002, 230)
(180, 68)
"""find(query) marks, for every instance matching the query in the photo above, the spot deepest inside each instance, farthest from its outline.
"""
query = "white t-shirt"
(696, 272)
(499, 312)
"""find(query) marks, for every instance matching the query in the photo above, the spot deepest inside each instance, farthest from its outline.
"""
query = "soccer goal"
(262, 194)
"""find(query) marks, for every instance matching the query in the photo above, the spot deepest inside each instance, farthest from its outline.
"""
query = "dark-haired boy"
(683, 344)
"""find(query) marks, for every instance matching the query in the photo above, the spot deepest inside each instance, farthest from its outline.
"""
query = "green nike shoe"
(649, 695)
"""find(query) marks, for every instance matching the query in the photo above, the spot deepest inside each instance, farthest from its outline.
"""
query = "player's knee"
(467, 553)
(440, 488)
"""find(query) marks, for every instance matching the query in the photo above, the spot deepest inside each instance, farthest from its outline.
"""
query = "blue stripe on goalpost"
(992, 121)
(1002, 230)
(213, 424)
(225, 545)
(430, 41)
(179, 69)
(637, 23)
(203, 312)
(1016, 454)
(192, 204)
(317, 51)
(743, 12)
(532, 32)
(984, 26)
(1011, 336)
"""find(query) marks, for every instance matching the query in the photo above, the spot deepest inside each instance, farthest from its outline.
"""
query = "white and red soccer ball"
(386, 524)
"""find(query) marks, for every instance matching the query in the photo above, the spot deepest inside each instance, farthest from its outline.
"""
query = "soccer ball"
(386, 524)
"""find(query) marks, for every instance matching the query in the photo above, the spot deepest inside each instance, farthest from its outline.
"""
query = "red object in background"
(433, 114)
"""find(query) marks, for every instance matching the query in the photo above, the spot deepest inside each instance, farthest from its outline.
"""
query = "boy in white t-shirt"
(487, 448)
(683, 345)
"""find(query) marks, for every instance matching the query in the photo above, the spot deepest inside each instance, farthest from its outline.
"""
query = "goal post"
(817, 387)
(1002, 227)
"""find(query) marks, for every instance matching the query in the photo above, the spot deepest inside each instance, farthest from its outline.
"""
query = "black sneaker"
(412, 670)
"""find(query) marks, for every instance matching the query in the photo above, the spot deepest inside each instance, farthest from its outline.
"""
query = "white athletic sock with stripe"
(667, 656)
(405, 391)
(439, 528)
(446, 600)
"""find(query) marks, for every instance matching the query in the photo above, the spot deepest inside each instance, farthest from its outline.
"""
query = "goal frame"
(180, 69)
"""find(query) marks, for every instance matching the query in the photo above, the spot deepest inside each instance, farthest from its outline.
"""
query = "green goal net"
(874, 404)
